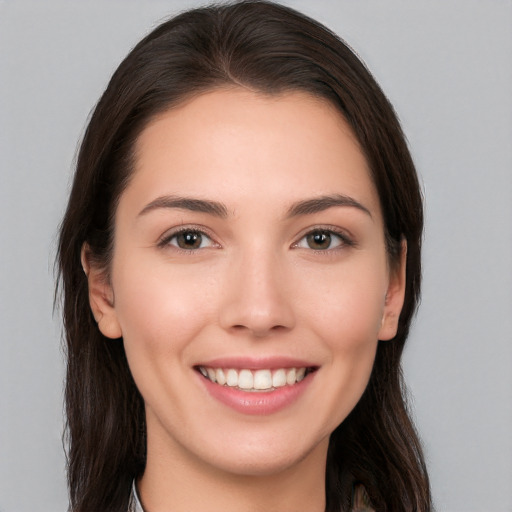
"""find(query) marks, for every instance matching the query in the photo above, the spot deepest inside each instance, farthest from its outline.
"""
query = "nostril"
(258, 331)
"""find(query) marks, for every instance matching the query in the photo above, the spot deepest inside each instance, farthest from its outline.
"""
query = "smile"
(255, 380)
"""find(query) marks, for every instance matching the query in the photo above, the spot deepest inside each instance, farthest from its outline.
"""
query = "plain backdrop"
(446, 65)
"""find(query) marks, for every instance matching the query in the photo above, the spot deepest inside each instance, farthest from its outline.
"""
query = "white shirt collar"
(135, 505)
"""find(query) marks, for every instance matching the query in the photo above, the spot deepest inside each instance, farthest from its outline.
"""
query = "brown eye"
(189, 240)
(319, 240)
(323, 240)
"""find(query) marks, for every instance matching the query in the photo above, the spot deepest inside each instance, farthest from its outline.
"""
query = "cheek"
(160, 308)
(350, 328)
(161, 311)
(346, 305)
(345, 314)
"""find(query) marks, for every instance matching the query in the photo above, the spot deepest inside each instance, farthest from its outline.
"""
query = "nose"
(258, 299)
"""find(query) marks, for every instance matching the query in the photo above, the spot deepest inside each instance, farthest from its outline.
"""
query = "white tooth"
(203, 371)
(279, 378)
(245, 379)
(262, 379)
(211, 374)
(291, 375)
(219, 375)
(301, 372)
(232, 378)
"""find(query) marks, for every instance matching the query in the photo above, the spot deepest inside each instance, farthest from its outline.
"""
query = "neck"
(176, 481)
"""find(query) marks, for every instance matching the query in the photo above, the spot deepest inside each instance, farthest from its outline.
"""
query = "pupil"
(319, 240)
(189, 240)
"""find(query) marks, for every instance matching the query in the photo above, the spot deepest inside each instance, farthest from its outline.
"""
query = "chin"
(272, 458)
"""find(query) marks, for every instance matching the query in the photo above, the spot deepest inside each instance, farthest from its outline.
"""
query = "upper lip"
(257, 363)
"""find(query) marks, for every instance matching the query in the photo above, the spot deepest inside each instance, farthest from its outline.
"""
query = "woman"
(240, 262)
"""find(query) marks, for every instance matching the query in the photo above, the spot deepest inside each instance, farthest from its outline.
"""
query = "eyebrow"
(186, 203)
(319, 204)
(305, 207)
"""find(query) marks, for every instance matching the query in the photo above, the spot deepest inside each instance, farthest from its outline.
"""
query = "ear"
(394, 298)
(101, 296)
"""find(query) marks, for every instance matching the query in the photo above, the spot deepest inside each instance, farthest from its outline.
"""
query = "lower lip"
(255, 402)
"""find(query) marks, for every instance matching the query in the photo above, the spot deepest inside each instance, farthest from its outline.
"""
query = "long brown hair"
(271, 49)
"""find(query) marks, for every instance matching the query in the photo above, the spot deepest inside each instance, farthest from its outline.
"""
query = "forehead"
(238, 143)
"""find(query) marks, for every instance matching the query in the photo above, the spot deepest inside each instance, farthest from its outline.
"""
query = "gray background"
(447, 67)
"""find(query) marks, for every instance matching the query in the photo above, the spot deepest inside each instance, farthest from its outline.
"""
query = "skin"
(254, 288)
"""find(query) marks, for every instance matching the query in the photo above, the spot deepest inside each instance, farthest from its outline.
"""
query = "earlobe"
(101, 296)
(394, 299)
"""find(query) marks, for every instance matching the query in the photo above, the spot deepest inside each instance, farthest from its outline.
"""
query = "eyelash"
(343, 238)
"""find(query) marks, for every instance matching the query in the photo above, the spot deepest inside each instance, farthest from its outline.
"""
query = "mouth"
(261, 380)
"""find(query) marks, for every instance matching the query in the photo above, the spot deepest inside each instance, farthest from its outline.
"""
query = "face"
(249, 280)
